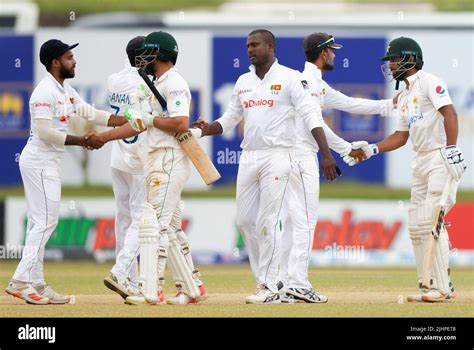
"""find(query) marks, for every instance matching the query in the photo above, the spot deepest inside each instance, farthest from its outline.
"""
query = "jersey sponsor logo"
(305, 84)
(244, 91)
(440, 90)
(42, 104)
(414, 119)
(257, 103)
(176, 93)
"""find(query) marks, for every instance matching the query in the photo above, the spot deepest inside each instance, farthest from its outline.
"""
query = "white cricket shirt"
(418, 107)
(269, 106)
(328, 97)
(175, 91)
(52, 101)
(125, 153)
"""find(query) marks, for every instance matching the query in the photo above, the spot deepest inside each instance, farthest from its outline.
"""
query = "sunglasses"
(331, 39)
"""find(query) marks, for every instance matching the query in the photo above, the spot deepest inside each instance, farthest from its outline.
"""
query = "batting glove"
(454, 160)
(138, 120)
(369, 151)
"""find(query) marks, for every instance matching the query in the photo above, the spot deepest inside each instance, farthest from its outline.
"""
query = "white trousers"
(299, 219)
(262, 183)
(129, 192)
(43, 195)
(166, 172)
(429, 174)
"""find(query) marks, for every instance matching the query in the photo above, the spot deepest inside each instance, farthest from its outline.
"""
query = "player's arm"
(229, 120)
(396, 140)
(310, 111)
(450, 124)
(172, 125)
(337, 100)
(123, 132)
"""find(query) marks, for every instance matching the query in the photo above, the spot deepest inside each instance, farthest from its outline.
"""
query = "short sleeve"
(42, 105)
(178, 97)
(438, 92)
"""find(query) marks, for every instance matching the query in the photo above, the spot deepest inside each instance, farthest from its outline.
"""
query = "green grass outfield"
(352, 293)
(344, 190)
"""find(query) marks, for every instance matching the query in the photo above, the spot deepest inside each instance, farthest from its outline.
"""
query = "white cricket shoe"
(181, 299)
(119, 285)
(141, 300)
(55, 298)
(431, 296)
(306, 295)
(26, 292)
(263, 295)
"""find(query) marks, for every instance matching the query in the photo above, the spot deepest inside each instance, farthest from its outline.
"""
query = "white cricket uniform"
(167, 168)
(304, 185)
(39, 167)
(128, 181)
(268, 107)
(418, 107)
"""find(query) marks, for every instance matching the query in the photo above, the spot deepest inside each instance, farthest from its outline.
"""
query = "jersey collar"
(314, 70)
(413, 77)
(55, 82)
(165, 75)
(273, 67)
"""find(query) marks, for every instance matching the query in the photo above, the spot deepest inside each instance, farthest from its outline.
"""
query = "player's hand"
(454, 160)
(138, 120)
(357, 154)
(328, 165)
(203, 125)
(92, 140)
(369, 151)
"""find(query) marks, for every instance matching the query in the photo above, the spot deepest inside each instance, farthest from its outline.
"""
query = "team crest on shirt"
(275, 89)
(71, 99)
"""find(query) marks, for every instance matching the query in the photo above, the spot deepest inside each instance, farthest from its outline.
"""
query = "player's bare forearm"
(450, 124)
(394, 141)
(208, 129)
(320, 137)
(125, 131)
(72, 140)
(328, 163)
(115, 120)
(172, 125)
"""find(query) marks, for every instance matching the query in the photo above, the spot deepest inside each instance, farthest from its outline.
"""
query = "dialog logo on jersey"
(440, 90)
(257, 103)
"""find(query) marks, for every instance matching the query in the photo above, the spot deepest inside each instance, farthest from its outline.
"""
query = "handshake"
(92, 140)
(361, 150)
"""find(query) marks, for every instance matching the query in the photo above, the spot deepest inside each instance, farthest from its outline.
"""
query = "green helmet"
(165, 43)
(401, 47)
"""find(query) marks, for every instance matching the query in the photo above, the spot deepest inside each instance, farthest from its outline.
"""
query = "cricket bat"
(438, 225)
(188, 142)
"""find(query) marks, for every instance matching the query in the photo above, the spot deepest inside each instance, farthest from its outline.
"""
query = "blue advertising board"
(356, 74)
(16, 84)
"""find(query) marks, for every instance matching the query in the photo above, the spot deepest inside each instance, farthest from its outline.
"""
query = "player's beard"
(328, 65)
(66, 73)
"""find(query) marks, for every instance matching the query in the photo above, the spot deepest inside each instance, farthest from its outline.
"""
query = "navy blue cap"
(52, 49)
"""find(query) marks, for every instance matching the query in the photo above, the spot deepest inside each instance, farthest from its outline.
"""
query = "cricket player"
(166, 170)
(269, 98)
(301, 209)
(52, 103)
(128, 181)
(426, 116)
